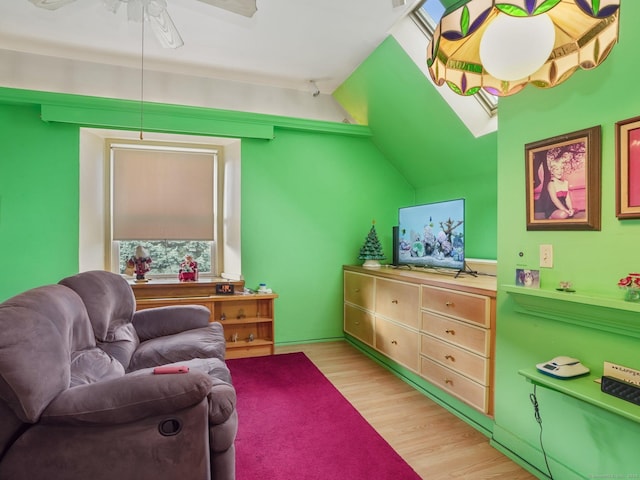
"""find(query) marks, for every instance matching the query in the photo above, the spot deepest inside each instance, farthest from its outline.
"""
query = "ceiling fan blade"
(135, 11)
(111, 5)
(50, 4)
(242, 7)
(165, 30)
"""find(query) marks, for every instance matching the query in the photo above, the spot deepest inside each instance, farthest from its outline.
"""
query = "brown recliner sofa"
(79, 399)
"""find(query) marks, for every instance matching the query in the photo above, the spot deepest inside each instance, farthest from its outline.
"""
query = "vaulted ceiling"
(286, 43)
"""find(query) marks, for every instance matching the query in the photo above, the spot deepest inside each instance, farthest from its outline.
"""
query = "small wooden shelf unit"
(248, 319)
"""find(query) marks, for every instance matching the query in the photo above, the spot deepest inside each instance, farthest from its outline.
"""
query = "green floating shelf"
(585, 389)
(607, 314)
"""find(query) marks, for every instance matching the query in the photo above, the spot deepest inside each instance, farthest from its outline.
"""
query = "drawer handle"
(450, 357)
(449, 304)
(394, 301)
(450, 332)
(448, 381)
(357, 290)
(357, 323)
(394, 342)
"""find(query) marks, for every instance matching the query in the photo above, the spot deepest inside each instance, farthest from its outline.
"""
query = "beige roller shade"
(162, 195)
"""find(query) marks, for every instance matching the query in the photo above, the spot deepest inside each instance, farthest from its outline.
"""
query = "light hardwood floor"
(437, 444)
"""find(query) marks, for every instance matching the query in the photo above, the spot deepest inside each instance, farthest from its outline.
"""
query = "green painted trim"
(155, 119)
(309, 342)
(118, 113)
(585, 389)
(600, 313)
(475, 419)
(532, 469)
(558, 470)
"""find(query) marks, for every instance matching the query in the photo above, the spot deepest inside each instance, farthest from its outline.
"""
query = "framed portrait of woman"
(563, 181)
(628, 168)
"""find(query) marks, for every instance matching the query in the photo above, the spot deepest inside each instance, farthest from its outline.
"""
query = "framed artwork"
(628, 168)
(563, 181)
(527, 278)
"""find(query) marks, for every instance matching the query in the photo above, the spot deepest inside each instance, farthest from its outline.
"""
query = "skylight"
(427, 16)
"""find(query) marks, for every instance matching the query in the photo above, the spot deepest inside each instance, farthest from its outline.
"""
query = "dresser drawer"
(457, 385)
(398, 301)
(464, 306)
(359, 323)
(398, 343)
(358, 289)
(461, 334)
(471, 365)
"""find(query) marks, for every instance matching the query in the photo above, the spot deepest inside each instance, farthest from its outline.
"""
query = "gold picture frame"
(563, 185)
(628, 168)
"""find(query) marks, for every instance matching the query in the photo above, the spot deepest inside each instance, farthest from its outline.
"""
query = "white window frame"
(215, 254)
(94, 243)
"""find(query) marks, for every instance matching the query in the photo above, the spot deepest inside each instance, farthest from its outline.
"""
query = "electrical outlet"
(546, 256)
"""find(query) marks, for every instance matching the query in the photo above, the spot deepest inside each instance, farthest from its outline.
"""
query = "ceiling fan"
(155, 12)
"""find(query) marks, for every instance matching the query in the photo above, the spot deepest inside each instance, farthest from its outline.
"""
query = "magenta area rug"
(295, 425)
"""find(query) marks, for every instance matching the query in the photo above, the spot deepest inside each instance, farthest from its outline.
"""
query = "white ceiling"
(286, 43)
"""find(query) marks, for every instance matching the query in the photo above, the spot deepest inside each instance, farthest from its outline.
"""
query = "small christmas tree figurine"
(371, 251)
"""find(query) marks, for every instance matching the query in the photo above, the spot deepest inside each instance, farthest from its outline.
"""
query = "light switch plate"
(546, 256)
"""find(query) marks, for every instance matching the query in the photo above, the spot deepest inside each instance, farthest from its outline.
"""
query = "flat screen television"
(432, 235)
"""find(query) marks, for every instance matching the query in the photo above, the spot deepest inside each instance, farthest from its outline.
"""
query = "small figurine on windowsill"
(188, 270)
(139, 264)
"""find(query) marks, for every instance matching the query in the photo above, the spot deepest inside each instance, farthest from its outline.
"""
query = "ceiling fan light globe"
(512, 48)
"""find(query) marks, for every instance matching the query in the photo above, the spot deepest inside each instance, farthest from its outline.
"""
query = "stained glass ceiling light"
(501, 47)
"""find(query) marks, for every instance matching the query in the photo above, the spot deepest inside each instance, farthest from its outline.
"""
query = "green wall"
(310, 191)
(429, 145)
(38, 199)
(425, 140)
(308, 203)
(581, 441)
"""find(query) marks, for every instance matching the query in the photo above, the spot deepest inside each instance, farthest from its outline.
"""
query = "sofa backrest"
(110, 303)
(40, 328)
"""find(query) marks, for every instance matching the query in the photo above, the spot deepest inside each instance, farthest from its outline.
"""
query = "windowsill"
(174, 279)
(601, 313)
(585, 389)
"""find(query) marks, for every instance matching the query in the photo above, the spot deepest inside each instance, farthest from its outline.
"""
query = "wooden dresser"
(438, 326)
(248, 319)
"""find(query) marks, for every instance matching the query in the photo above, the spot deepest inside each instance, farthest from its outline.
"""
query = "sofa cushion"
(207, 342)
(93, 365)
(108, 298)
(124, 341)
(40, 328)
(160, 321)
(110, 303)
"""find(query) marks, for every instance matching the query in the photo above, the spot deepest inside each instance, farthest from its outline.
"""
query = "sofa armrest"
(162, 321)
(222, 401)
(128, 398)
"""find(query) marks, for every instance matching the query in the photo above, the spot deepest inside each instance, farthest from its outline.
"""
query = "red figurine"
(188, 270)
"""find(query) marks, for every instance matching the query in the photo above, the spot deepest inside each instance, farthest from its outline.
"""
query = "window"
(166, 199)
(167, 255)
(426, 16)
